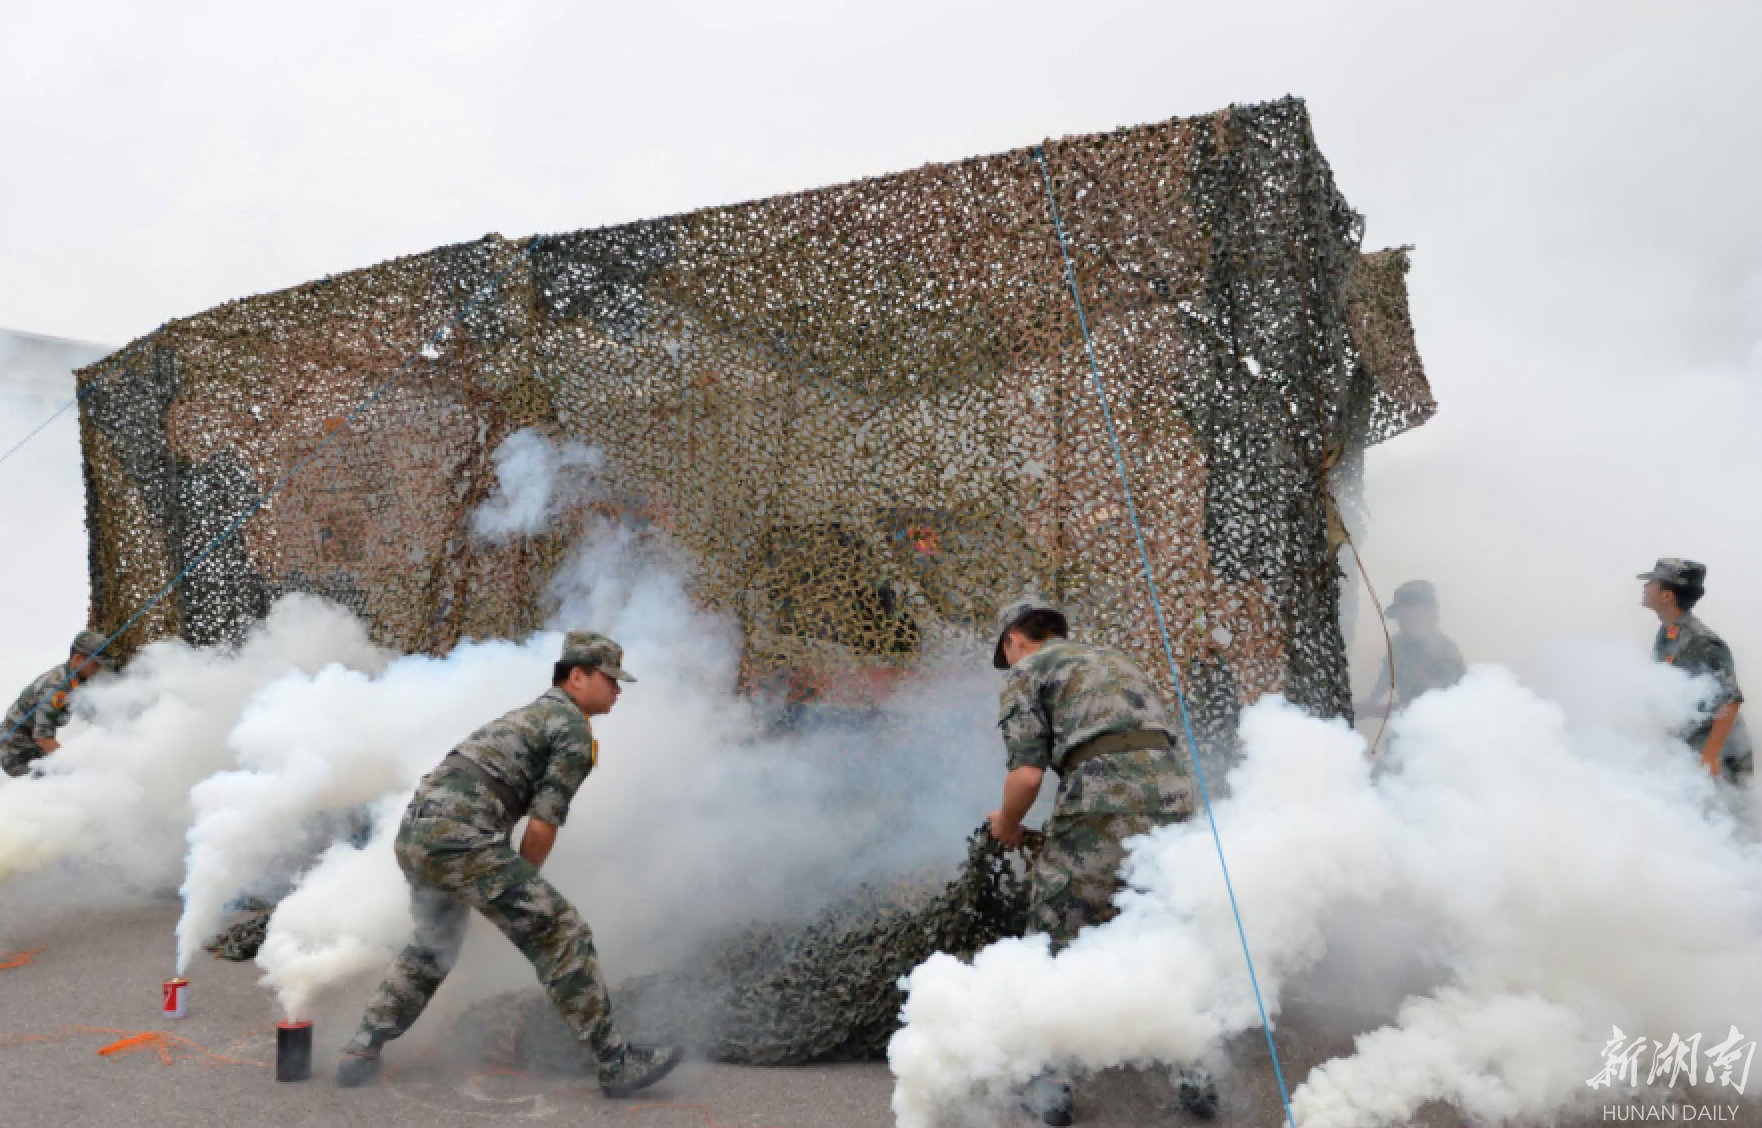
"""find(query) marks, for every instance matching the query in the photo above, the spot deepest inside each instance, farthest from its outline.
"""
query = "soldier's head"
(1673, 586)
(1023, 627)
(83, 656)
(1415, 607)
(590, 671)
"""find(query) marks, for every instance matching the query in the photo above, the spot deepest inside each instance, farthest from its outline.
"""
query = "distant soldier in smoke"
(1673, 587)
(1424, 658)
(31, 735)
(454, 847)
(1091, 715)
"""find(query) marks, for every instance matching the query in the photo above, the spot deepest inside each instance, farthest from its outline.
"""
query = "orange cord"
(170, 1047)
(10, 960)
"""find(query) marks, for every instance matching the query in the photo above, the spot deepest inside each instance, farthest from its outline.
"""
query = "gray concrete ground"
(97, 980)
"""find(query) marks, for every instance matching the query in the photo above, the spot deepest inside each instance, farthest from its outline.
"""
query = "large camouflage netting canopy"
(865, 412)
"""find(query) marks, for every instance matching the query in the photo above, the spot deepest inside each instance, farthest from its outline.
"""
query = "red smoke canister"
(293, 1051)
(176, 998)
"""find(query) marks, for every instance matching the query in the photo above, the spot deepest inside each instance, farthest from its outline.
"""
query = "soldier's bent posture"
(31, 735)
(1673, 587)
(453, 845)
(1091, 715)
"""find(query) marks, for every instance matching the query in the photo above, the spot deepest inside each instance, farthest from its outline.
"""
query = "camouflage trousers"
(1077, 871)
(16, 760)
(458, 860)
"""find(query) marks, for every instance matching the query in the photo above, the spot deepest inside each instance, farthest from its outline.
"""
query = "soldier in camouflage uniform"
(1424, 659)
(454, 847)
(1091, 715)
(1673, 587)
(42, 709)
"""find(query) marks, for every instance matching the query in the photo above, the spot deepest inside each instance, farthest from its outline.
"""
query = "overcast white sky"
(1580, 179)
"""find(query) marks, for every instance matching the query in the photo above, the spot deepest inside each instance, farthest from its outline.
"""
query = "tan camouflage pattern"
(1691, 646)
(1066, 693)
(595, 650)
(51, 694)
(1422, 663)
(542, 751)
(1054, 700)
(865, 415)
(453, 847)
(1078, 870)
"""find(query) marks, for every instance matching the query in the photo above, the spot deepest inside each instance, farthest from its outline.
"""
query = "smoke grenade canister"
(175, 998)
(293, 1051)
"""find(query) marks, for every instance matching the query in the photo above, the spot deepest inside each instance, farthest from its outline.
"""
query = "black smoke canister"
(293, 1051)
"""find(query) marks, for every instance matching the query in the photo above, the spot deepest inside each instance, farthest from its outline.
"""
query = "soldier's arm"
(1724, 720)
(1027, 736)
(1020, 788)
(46, 723)
(1718, 662)
(536, 843)
(571, 760)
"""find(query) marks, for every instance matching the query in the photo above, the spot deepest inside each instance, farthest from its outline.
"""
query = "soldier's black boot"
(357, 1067)
(1048, 1096)
(637, 1068)
(1198, 1092)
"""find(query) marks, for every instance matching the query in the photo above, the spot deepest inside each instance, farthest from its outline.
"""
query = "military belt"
(467, 766)
(1113, 742)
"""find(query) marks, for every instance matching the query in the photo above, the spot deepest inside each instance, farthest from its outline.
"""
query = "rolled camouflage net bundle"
(829, 992)
(239, 942)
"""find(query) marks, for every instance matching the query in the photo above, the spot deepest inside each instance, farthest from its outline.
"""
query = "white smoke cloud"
(116, 794)
(1565, 869)
(535, 479)
(348, 915)
(699, 817)
(314, 747)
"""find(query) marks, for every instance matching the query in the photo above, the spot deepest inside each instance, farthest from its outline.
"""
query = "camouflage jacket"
(1694, 649)
(1422, 663)
(50, 694)
(1067, 693)
(542, 752)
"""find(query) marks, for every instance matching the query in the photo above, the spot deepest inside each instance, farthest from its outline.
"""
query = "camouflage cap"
(595, 650)
(1013, 613)
(88, 643)
(1413, 593)
(1676, 570)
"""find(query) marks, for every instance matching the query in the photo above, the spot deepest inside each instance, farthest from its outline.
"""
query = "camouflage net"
(865, 413)
(829, 992)
(241, 940)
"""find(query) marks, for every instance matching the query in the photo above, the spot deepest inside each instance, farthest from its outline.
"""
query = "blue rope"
(239, 521)
(90, 384)
(1162, 627)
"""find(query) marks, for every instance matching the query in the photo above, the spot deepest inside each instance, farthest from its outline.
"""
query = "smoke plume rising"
(349, 914)
(535, 480)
